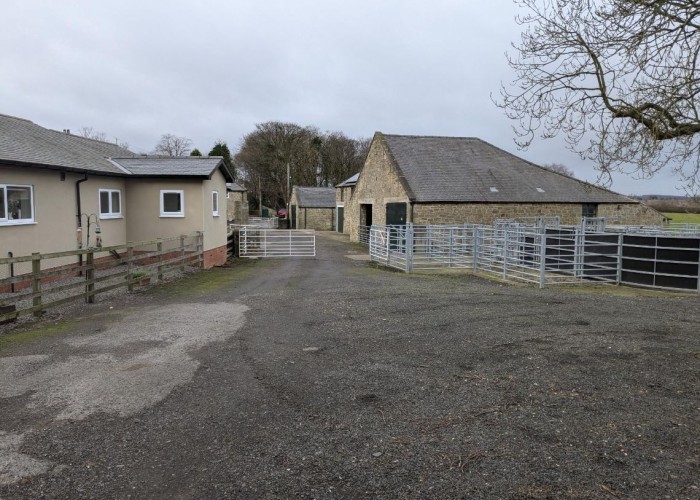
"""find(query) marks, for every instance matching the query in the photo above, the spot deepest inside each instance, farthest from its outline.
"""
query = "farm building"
(456, 180)
(55, 187)
(343, 193)
(236, 203)
(313, 208)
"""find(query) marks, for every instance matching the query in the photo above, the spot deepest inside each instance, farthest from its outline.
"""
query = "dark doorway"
(395, 214)
(341, 215)
(294, 217)
(365, 215)
(589, 210)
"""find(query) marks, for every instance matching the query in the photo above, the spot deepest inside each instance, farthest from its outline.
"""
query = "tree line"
(279, 155)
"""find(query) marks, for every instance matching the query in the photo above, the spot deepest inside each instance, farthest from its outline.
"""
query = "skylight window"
(540, 190)
(494, 190)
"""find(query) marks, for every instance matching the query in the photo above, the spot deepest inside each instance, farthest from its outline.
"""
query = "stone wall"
(569, 213)
(343, 197)
(237, 207)
(379, 184)
(321, 219)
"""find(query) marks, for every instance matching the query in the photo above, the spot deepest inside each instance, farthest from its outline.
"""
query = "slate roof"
(234, 186)
(23, 142)
(349, 182)
(467, 169)
(315, 197)
(172, 166)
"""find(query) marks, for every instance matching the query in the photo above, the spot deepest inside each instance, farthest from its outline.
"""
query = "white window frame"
(111, 214)
(6, 221)
(180, 192)
(215, 203)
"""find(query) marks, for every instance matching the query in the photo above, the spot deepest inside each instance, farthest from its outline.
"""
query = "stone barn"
(457, 180)
(343, 194)
(237, 203)
(312, 208)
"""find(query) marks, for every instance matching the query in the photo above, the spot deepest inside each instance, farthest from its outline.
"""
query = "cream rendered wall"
(215, 228)
(143, 206)
(54, 213)
(113, 230)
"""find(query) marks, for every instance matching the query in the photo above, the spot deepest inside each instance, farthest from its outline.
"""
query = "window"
(16, 204)
(215, 203)
(172, 203)
(110, 203)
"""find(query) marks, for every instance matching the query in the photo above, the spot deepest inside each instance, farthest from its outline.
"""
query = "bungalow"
(456, 180)
(54, 184)
(313, 208)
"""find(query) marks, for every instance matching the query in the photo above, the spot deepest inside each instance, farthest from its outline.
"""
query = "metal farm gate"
(258, 242)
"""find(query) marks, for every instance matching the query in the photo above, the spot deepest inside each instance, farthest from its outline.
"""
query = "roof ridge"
(16, 118)
(431, 136)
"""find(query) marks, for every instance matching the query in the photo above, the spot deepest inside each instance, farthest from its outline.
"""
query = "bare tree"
(172, 145)
(91, 133)
(618, 78)
(559, 168)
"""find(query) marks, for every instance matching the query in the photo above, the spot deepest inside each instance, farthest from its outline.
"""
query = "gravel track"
(329, 378)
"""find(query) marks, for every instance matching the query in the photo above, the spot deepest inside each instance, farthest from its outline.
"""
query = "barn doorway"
(395, 214)
(340, 211)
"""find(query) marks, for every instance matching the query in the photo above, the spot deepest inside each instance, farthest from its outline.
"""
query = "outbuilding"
(313, 208)
(457, 180)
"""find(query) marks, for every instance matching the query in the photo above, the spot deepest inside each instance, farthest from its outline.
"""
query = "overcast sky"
(211, 70)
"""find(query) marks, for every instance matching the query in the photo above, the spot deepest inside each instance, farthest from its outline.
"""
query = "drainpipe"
(12, 272)
(77, 197)
(78, 216)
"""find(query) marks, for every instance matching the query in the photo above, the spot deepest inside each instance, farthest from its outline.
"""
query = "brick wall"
(215, 257)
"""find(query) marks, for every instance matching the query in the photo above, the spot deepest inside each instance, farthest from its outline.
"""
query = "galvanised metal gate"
(258, 242)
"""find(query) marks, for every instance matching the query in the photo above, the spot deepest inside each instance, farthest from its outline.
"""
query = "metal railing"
(363, 233)
(258, 242)
(543, 255)
(263, 222)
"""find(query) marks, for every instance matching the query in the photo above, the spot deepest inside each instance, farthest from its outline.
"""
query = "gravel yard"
(330, 378)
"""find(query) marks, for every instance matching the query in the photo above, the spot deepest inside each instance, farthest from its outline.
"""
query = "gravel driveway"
(330, 378)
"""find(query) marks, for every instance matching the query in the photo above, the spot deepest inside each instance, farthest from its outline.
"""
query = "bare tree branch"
(619, 79)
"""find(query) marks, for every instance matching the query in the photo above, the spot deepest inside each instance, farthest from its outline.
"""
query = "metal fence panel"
(258, 242)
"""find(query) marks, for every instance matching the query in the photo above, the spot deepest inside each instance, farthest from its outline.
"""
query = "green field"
(677, 217)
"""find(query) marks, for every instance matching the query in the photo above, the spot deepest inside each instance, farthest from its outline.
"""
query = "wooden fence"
(51, 279)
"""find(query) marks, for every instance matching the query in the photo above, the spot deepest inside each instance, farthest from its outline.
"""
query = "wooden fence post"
(200, 249)
(90, 277)
(129, 266)
(159, 246)
(36, 282)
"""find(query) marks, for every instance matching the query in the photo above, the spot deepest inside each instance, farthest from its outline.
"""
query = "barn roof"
(349, 182)
(315, 197)
(468, 169)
